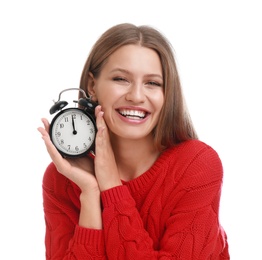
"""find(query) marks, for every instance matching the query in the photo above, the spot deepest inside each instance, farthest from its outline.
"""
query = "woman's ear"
(91, 86)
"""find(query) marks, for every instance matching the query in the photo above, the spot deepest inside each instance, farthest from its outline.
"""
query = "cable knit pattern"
(169, 212)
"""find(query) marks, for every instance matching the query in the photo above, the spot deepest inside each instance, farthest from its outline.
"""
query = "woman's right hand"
(78, 170)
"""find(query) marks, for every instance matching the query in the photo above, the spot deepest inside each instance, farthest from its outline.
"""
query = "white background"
(43, 47)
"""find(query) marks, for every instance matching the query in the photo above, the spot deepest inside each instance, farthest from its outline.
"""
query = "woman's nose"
(136, 93)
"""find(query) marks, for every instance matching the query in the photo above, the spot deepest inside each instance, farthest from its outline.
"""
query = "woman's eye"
(153, 83)
(119, 79)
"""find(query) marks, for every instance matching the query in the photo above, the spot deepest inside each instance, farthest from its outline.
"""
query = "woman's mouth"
(133, 114)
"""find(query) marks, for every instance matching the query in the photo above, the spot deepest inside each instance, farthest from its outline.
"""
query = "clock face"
(72, 131)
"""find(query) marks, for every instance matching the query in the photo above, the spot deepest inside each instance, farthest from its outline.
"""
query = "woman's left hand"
(105, 164)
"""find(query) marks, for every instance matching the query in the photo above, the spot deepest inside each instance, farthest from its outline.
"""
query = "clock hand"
(73, 123)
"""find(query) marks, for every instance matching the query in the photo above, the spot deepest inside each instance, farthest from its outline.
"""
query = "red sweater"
(169, 212)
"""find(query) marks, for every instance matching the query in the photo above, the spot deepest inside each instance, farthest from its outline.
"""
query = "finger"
(97, 110)
(51, 149)
(100, 138)
(49, 145)
(100, 122)
(46, 124)
(42, 131)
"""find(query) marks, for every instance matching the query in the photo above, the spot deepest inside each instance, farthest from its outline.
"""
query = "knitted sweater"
(169, 212)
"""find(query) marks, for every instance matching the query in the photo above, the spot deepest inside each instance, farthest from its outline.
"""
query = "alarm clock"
(73, 130)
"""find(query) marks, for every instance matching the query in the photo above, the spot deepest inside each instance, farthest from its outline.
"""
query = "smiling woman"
(153, 189)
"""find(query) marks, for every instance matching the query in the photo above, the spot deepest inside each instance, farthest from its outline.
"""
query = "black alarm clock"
(73, 130)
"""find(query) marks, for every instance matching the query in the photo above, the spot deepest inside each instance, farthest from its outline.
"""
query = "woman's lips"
(133, 115)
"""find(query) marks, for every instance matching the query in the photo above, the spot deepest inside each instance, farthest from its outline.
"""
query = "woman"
(153, 189)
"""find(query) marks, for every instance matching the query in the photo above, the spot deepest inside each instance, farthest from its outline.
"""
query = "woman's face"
(130, 91)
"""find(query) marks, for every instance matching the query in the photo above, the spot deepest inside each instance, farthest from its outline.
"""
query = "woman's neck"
(134, 157)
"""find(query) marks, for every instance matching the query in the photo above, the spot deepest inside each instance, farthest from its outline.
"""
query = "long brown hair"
(175, 125)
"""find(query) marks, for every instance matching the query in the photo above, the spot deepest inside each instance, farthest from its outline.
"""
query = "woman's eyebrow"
(128, 72)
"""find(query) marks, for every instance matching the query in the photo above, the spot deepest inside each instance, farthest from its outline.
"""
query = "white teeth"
(132, 113)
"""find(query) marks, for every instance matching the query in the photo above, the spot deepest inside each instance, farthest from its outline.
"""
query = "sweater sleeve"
(191, 229)
(125, 236)
(64, 238)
